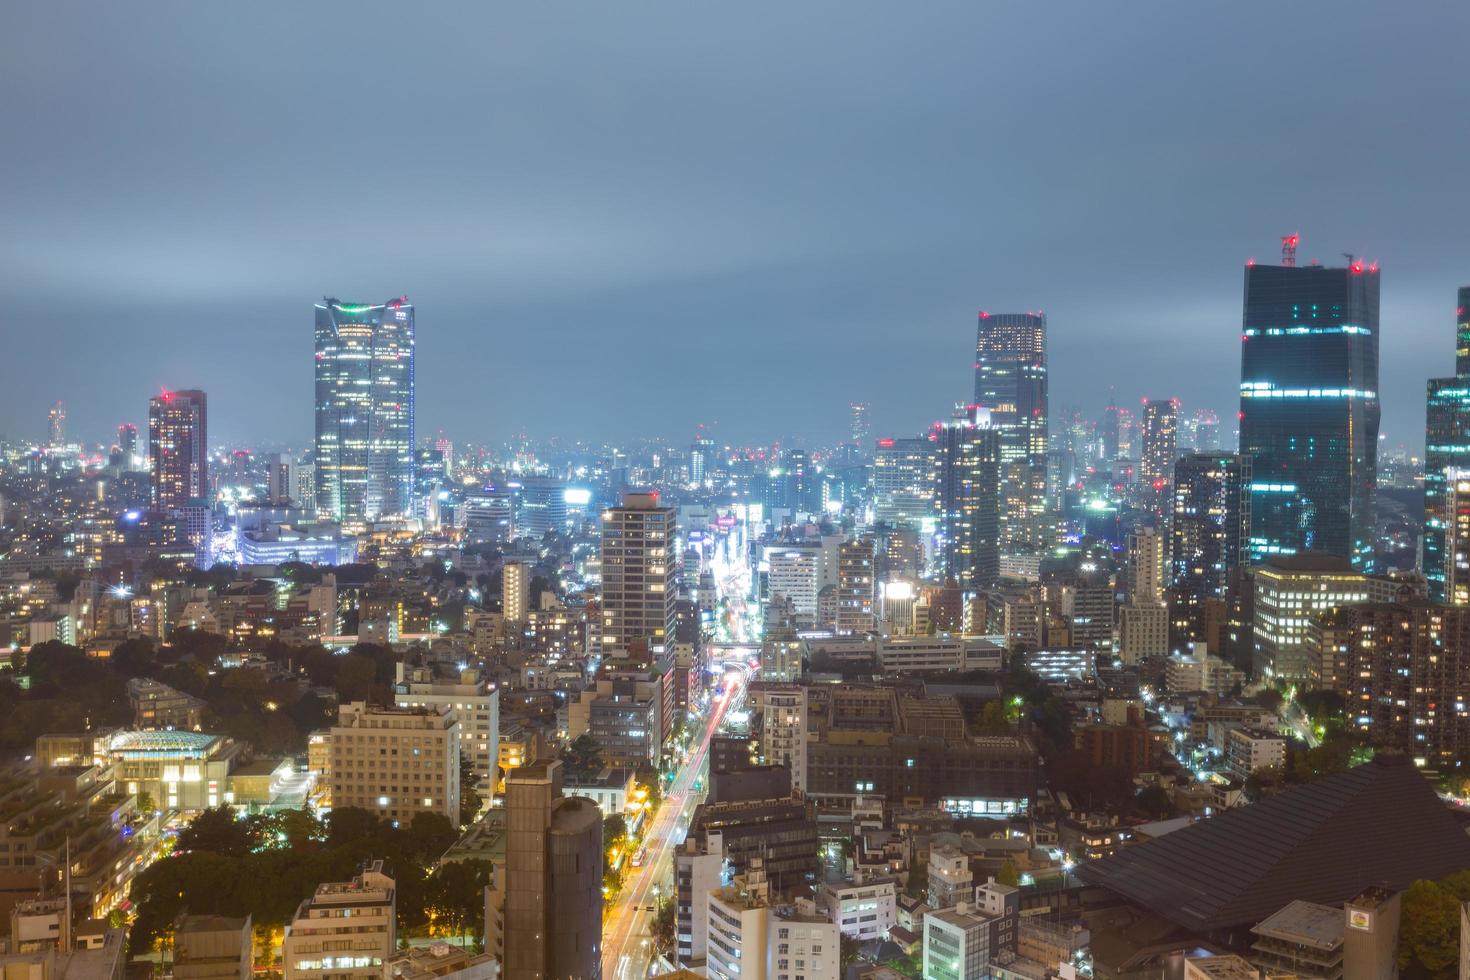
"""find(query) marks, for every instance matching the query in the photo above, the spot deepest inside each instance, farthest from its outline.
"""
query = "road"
(627, 944)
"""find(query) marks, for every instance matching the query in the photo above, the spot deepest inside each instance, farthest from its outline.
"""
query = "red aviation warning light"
(1288, 249)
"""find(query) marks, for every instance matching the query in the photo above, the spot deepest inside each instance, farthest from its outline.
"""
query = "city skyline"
(840, 246)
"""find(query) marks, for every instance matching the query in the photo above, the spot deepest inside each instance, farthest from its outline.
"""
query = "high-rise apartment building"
(1145, 580)
(1408, 677)
(639, 574)
(515, 589)
(1452, 512)
(364, 409)
(1011, 383)
(796, 574)
(178, 450)
(856, 586)
(968, 500)
(1309, 408)
(903, 482)
(1446, 446)
(127, 444)
(56, 425)
(553, 878)
(396, 762)
(1160, 441)
(1209, 530)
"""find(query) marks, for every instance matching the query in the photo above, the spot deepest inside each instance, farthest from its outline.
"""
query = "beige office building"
(396, 762)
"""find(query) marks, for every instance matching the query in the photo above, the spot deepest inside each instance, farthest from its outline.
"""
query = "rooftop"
(1305, 924)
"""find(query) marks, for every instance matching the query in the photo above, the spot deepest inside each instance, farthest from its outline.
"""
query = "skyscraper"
(1209, 529)
(1010, 381)
(639, 573)
(178, 448)
(1446, 446)
(127, 443)
(860, 431)
(968, 495)
(1309, 407)
(856, 585)
(364, 409)
(903, 482)
(56, 425)
(1160, 440)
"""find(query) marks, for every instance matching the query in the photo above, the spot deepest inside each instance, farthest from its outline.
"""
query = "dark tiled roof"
(1376, 824)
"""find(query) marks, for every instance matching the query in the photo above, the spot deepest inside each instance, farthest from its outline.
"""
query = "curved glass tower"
(364, 409)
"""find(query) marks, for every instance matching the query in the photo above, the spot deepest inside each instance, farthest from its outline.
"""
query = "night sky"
(620, 219)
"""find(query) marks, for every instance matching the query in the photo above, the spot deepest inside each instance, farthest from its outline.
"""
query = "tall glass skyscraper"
(1446, 446)
(968, 497)
(1209, 529)
(364, 409)
(178, 448)
(1010, 383)
(1309, 408)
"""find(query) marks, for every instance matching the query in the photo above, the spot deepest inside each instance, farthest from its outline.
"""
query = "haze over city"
(814, 200)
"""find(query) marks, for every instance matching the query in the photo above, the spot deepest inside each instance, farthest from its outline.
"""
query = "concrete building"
(639, 576)
(1289, 591)
(213, 947)
(1304, 939)
(796, 573)
(856, 586)
(784, 731)
(863, 909)
(1249, 750)
(950, 878)
(476, 706)
(1143, 630)
(553, 878)
(156, 705)
(515, 579)
(749, 939)
(395, 762)
(346, 930)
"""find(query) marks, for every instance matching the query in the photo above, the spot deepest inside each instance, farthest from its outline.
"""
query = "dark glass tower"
(1010, 382)
(1209, 528)
(1309, 408)
(1446, 447)
(364, 409)
(968, 497)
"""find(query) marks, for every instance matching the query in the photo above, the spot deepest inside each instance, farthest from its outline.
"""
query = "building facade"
(968, 499)
(1446, 448)
(1309, 408)
(364, 409)
(178, 448)
(396, 762)
(639, 572)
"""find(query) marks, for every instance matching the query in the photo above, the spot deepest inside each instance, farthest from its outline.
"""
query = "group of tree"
(264, 866)
(1429, 928)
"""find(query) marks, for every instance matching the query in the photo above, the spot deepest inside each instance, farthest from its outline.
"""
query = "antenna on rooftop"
(1288, 249)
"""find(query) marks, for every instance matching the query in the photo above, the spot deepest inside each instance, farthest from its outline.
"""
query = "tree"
(582, 756)
(1155, 802)
(455, 895)
(356, 678)
(848, 949)
(614, 828)
(1429, 931)
(431, 835)
(217, 832)
(1008, 875)
(664, 921)
(993, 719)
(469, 799)
(133, 657)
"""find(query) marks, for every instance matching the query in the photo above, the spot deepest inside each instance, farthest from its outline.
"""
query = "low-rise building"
(346, 930)
(396, 762)
(865, 908)
(1249, 750)
(213, 947)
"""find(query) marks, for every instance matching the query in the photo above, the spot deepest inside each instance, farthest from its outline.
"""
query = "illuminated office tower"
(856, 586)
(1204, 431)
(1446, 446)
(364, 409)
(56, 425)
(1010, 382)
(861, 431)
(701, 456)
(1309, 407)
(1160, 441)
(541, 507)
(639, 586)
(515, 578)
(903, 482)
(968, 499)
(178, 448)
(1209, 530)
(127, 444)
